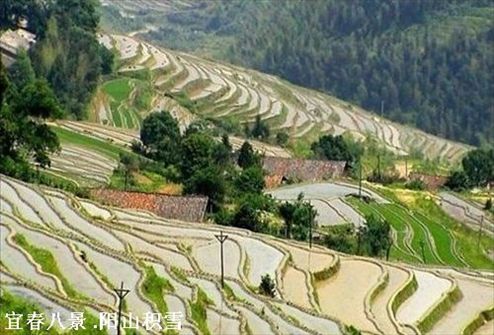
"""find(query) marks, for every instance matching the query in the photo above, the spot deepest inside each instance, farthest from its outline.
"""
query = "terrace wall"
(190, 208)
(300, 169)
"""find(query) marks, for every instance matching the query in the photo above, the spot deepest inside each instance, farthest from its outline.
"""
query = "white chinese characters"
(76, 321)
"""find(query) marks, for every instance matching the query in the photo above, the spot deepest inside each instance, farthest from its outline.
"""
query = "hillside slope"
(183, 83)
(423, 63)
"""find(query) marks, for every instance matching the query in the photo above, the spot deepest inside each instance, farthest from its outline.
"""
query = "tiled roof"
(190, 208)
(430, 181)
(303, 169)
(16, 39)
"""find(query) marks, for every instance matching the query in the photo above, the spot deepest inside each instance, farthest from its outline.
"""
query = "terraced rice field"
(432, 239)
(220, 90)
(328, 200)
(87, 249)
(430, 289)
(466, 212)
(82, 165)
(89, 152)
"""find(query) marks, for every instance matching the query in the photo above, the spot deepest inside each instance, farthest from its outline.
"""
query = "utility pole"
(310, 231)
(388, 250)
(360, 180)
(406, 167)
(359, 239)
(382, 108)
(222, 238)
(480, 231)
(422, 250)
(121, 293)
(379, 166)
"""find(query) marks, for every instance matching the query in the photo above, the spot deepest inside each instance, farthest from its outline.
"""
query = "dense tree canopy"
(334, 148)
(298, 216)
(400, 55)
(479, 166)
(373, 239)
(477, 170)
(67, 53)
(250, 180)
(161, 137)
(247, 157)
(23, 134)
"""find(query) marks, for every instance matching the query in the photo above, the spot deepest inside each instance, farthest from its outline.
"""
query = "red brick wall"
(171, 207)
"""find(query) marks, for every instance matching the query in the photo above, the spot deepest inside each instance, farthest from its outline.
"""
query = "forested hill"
(425, 63)
(429, 62)
(67, 53)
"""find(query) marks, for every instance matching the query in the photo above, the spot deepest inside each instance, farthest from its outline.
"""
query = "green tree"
(250, 180)
(107, 60)
(197, 153)
(67, 53)
(23, 133)
(210, 182)
(298, 217)
(488, 204)
(260, 130)
(282, 138)
(267, 286)
(225, 140)
(247, 217)
(129, 164)
(4, 84)
(248, 213)
(222, 152)
(161, 138)
(458, 181)
(335, 148)
(287, 210)
(21, 73)
(479, 166)
(12, 10)
(377, 235)
(247, 157)
(303, 218)
(341, 238)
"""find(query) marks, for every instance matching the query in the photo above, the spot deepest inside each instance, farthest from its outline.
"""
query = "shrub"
(282, 138)
(340, 238)
(383, 178)
(458, 181)
(415, 184)
(267, 286)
